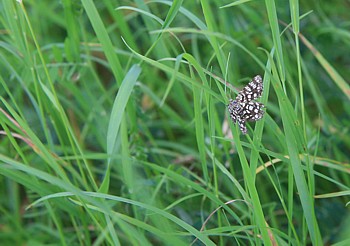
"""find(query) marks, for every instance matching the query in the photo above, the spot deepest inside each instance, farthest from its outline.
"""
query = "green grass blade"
(332, 72)
(103, 37)
(294, 145)
(273, 19)
(117, 114)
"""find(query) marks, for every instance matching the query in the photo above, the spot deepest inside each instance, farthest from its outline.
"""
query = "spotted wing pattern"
(243, 108)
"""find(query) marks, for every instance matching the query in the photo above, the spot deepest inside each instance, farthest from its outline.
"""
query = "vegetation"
(115, 128)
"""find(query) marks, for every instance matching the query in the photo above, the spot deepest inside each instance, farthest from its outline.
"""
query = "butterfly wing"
(252, 111)
(234, 108)
(241, 124)
(251, 91)
(243, 108)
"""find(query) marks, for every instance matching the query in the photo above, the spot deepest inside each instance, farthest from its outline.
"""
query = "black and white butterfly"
(243, 108)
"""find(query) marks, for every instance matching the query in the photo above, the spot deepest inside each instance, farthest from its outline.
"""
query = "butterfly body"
(243, 108)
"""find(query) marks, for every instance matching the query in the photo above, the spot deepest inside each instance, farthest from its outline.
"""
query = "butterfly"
(244, 108)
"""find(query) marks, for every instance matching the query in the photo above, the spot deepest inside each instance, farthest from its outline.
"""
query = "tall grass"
(115, 129)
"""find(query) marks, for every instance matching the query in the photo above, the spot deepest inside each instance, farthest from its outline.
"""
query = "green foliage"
(115, 130)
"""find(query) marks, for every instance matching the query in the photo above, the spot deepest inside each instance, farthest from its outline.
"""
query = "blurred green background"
(115, 130)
